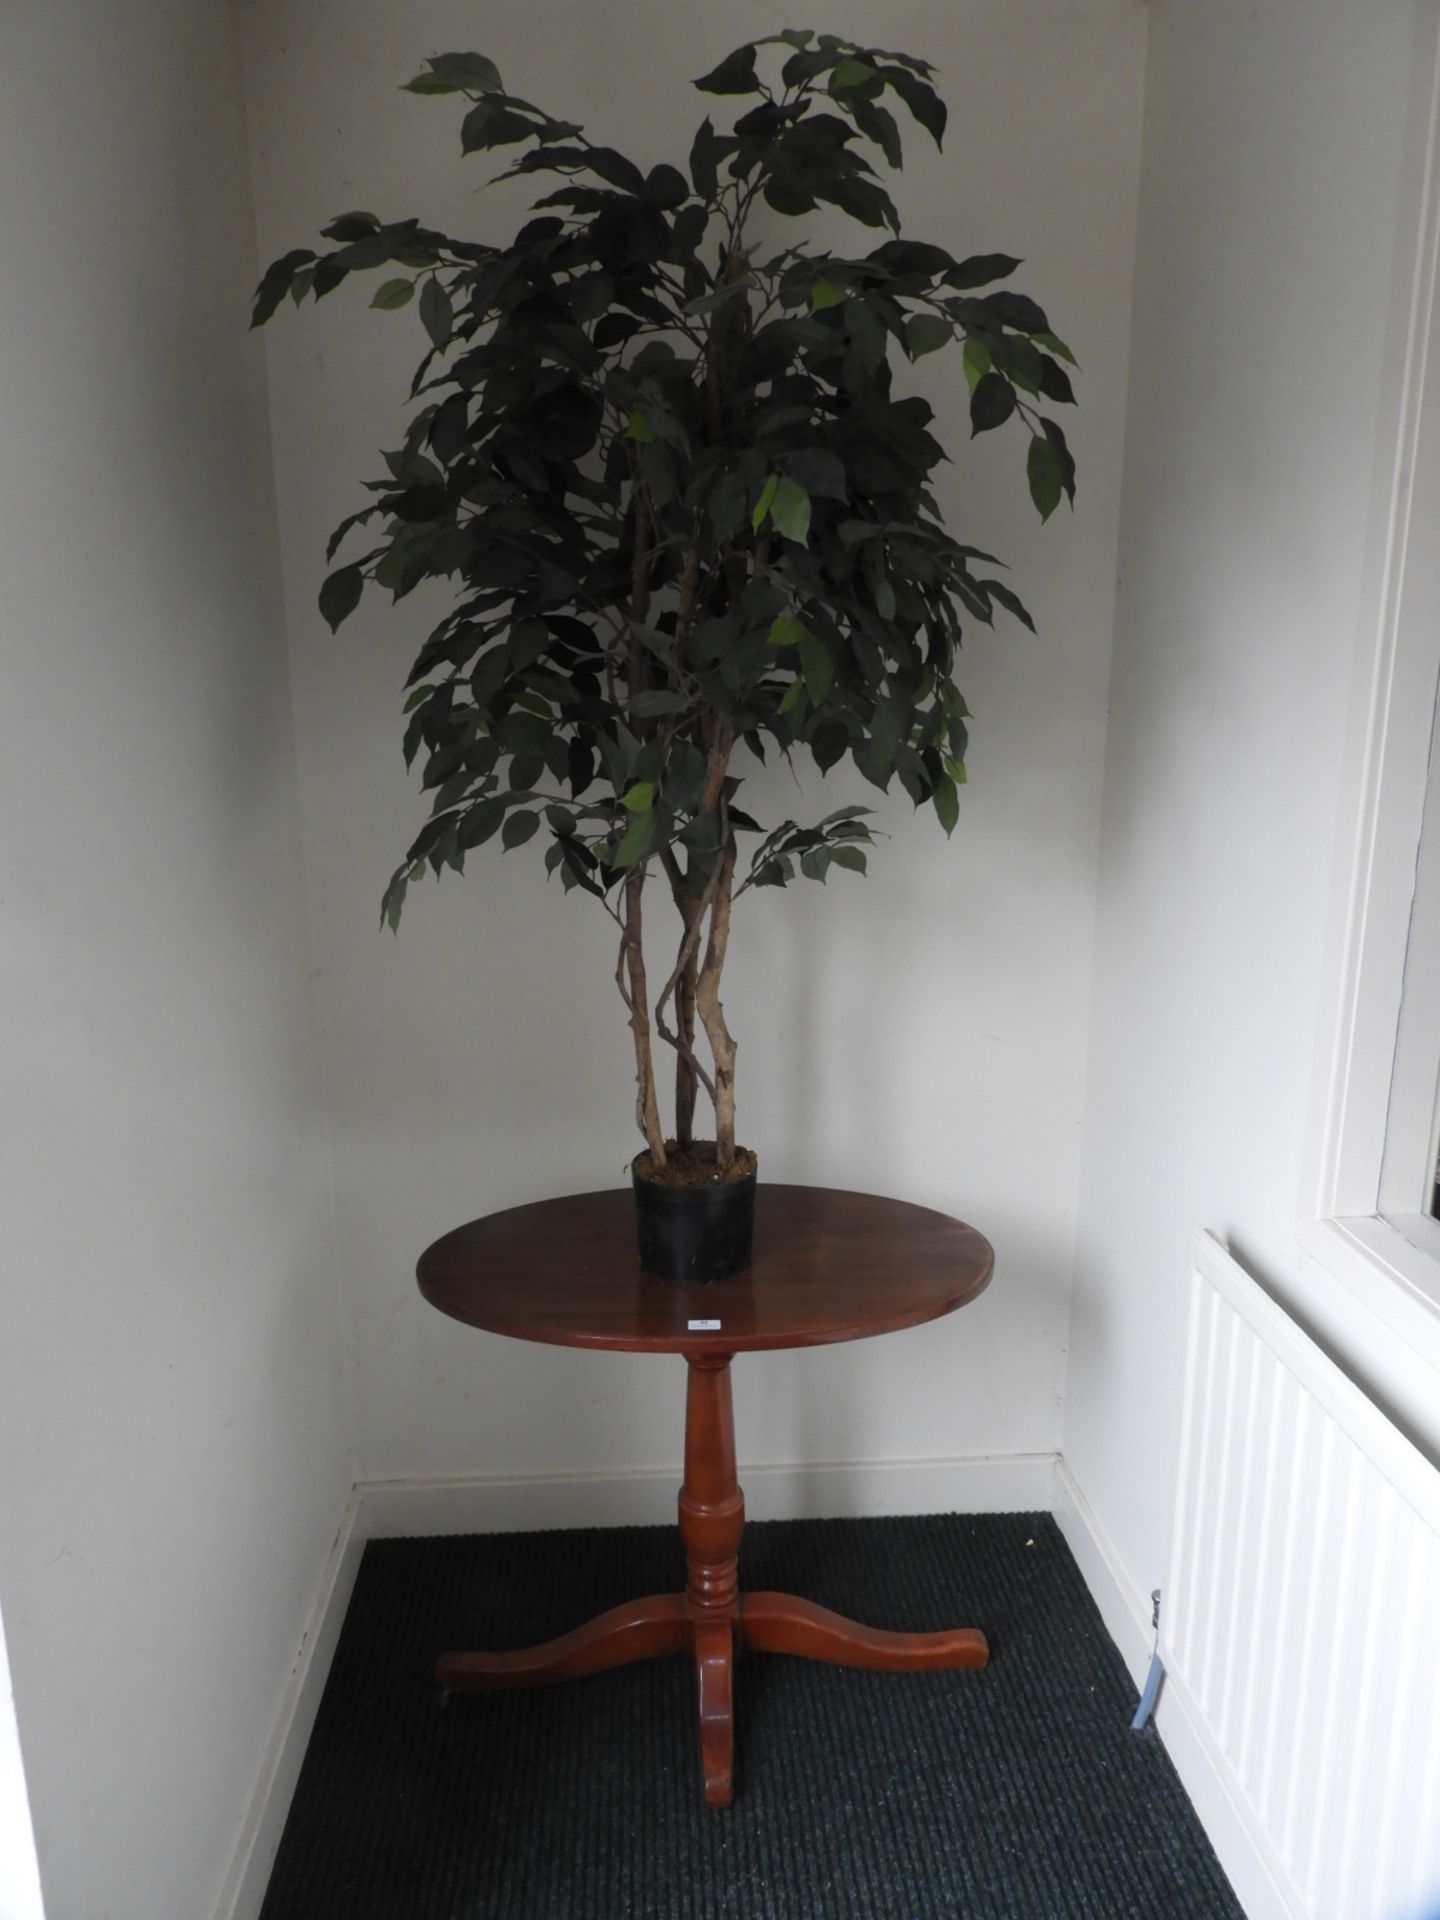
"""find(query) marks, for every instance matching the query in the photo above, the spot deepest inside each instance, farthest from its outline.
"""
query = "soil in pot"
(694, 1221)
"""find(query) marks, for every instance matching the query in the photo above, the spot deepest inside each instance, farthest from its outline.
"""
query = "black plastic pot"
(694, 1234)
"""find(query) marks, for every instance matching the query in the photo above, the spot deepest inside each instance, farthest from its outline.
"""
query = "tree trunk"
(647, 1106)
(685, 1083)
(712, 1013)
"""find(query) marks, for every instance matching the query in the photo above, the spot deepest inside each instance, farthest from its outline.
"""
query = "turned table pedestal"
(828, 1266)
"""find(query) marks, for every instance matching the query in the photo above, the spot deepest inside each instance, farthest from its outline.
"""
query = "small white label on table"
(704, 1326)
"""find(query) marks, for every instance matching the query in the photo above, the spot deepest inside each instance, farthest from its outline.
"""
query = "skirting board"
(1126, 1613)
(243, 1892)
(1012, 1483)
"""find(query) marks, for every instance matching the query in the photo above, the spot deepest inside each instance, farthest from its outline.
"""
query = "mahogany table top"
(828, 1266)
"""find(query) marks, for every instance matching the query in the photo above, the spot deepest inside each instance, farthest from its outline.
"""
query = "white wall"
(20, 1897)
(172, 1451)
(919, 1033)
(172, 1418)
(1273, 160)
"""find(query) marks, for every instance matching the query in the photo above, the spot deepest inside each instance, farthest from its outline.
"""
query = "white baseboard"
(1212, 1792)
(243, 1892)
(1011, 1483)
(1123, 1608)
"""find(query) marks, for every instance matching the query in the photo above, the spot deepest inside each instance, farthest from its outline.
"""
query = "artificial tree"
(687, 520)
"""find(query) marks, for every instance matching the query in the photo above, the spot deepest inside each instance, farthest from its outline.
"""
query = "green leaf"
(762, 505)
(790, 511)
(518, 828)
(653, 702)
(924, 103)
(851, 857)
(825, 294)
(703, 158)
(794, 694)
(735, 74)
(991, 404)
(417, 699)
(333, 544)
(849, 74)
(947, 803)
(1043, 471)
(328, 273)
(393, 293)
(637, 427)
(980, 269)
(394, 899)
(820, 472)
(867, 331)
(352, 226)
(665, 186)
(926, 332)
(1055, 435)
(855, 533)
(726, 505)
(1023, 362)
(577, 869)
(491, 125)
(279, 276)
(525, 644)
(817, 666)
(707, 151)
(977, 363)
(638, 838)
(955, 768)
(1055, 382)
(436, 311)
(888, 727)
(340, 594)
(877, 124)
(1017, 310)
(461, 72)
(878, 581)
(429, 83)
(997, 590)
(718, 297)
(662, 645)
(480, 822)
(1056, 345)
(785, 630)
(617, 171)
(914, 258)
(488, 677)
(829, 742)
(640, 797)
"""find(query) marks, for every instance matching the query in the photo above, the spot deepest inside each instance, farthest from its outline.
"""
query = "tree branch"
(632, 962)
(711, 1012)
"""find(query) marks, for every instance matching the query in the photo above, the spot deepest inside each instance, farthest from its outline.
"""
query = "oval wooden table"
(828, 1266)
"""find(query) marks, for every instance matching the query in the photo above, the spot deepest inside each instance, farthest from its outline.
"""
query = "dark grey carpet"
(1015, 1793)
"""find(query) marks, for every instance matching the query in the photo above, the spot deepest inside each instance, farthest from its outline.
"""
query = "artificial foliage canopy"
(687, 522)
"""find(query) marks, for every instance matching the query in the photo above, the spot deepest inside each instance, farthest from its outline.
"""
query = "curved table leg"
(639, 1630)
(712, 1619)
(714, 1667)
(783, 1623)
